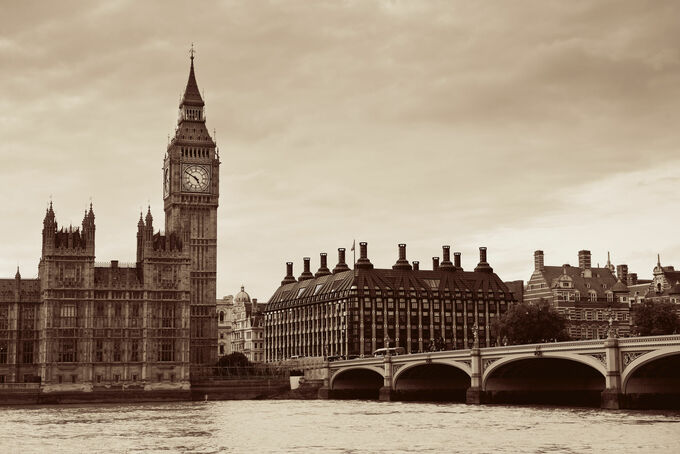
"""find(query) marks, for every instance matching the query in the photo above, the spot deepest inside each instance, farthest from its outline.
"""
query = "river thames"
(281, 426)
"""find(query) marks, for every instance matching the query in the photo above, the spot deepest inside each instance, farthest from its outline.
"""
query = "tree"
(233, 364)
(655, 318)
(530, 323)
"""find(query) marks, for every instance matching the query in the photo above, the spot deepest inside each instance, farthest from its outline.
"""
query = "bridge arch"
(379, 371)
(584, 359)
(435, 380)
(628, 374)
(410, 365)
(550, 378)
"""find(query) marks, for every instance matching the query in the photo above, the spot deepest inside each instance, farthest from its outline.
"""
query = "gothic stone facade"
(352, 312)
(191, 196)
(82, 326)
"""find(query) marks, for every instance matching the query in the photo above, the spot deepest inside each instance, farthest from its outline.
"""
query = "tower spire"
(192, 95)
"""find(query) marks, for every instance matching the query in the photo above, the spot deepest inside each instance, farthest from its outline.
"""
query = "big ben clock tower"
(191, 195)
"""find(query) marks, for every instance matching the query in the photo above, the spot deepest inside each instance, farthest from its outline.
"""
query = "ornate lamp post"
(475, 333)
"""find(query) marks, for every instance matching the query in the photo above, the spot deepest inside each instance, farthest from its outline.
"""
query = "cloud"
(426, 123)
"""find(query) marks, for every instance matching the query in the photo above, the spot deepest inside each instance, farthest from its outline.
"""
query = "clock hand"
(194, 177)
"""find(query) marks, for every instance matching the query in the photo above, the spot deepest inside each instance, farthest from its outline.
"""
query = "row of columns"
(313, 330)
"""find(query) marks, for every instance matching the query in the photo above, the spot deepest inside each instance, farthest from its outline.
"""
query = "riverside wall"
(235, 389)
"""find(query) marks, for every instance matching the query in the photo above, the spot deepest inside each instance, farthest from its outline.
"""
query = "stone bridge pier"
(611, 373)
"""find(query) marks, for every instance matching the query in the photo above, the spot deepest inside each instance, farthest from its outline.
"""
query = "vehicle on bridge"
(392, 351)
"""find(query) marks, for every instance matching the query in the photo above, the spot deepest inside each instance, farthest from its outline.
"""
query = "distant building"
(225, 319)
(20, 305)
(352, 312)
(665, 285)
(247, 327)
(588, 297)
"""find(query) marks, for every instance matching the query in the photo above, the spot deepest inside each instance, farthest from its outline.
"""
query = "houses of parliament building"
(82, 325)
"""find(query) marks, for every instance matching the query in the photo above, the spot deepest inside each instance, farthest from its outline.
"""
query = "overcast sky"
(512, 125)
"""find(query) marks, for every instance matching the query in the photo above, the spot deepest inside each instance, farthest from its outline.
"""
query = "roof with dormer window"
(469, 285)
(599, 281)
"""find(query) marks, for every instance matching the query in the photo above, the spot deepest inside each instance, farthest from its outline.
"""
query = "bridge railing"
(626, 341)
(552, 346)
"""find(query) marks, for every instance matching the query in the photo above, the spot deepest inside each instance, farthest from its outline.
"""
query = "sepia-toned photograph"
(339, 226)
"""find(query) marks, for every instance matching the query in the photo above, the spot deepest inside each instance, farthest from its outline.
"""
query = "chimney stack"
(622, 273)
(363, 262)
(341, 266)
(416, 265)
(584, 260)
(538, 261)
(435, 263)
(483, 265)
(632, 279)
(402, 263)
(456, 261)
(289, 274)
(323, 269)
(446, 258)
(306, 274)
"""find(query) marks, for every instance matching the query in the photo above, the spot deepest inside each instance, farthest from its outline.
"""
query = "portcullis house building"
(84, 326)
(350, 312)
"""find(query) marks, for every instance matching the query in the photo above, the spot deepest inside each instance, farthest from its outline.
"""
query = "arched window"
(592, 295)
(221, 316)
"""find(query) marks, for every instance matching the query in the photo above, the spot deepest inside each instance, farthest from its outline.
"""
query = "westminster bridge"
(636, 372)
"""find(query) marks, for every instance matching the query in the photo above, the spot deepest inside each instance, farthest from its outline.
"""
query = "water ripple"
(332, 427)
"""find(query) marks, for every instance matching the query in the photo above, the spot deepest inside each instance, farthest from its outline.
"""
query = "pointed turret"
(148, 228)
(49, 215)
(18, 275)
(49, 229)
(140, 238)
(658, 269)
(89, 228)
(609, 265)
(90, 214)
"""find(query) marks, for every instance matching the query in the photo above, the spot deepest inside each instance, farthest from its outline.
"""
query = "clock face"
(195, 178)
(166, 182)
